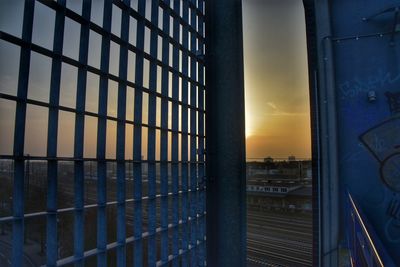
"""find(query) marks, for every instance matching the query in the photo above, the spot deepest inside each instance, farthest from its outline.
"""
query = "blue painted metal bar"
(79, 139)
(121, 164)
(94, 27)
(52, 134)
(151, 139)
(184, 136)
(164, 139)
(137, 143)
(19, 135)
(113, 245)
(49, 53)
(101, 139)
(175, 140)
(201, 148)
(194, 200)
(72, 159)
(176, 14)
(91, 206)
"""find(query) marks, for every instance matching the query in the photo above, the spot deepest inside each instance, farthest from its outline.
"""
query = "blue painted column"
(225, 131)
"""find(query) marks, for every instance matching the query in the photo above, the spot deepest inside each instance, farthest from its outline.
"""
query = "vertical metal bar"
(151, 147)
(316, 183)
(121, 114)
(226, 184)
(52, 134)
(310, 19)
(137, 142)
(194, 201)
(329, 164)
(19, 134)
(184, 136)
(79, 138)
(325, 135)
(101, 139)
(164, 138)
(201, 147)
(175, 141)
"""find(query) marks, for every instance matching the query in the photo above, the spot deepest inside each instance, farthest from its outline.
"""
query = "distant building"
(268, 159)
(279, 185)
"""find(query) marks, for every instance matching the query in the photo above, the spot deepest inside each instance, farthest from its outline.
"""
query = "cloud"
(277, 112)
(272, 105)
(281, 113)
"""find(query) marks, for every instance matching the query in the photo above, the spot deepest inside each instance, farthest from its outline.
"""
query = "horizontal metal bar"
(180, 253)
(199, 12)
(357, 37)
(152, 26)
(45, 158)
(44, 51)
(92, 114)
(135, 14)
(184, 23)
(110, 203)
(131, 239)
(76, 17)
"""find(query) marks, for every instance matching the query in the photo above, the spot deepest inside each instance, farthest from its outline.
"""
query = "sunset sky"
(276, 82)
(277, 108)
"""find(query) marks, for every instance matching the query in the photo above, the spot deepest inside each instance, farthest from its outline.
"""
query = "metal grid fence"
(131, 191)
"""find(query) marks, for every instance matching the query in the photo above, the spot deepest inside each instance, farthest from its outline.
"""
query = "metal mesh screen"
(102, 127)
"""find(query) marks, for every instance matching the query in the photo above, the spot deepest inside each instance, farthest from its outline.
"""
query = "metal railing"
(148, 60)
(365, 247)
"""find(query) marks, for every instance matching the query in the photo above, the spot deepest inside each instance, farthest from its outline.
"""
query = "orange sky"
(277, 109)
(276, 82)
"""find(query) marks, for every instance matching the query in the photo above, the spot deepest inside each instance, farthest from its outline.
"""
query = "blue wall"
(363, 65)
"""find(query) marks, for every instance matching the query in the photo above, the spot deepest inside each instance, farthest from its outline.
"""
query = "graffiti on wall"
(357, 86)
(383, 142)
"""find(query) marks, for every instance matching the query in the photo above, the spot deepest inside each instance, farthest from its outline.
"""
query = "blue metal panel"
(365, 72)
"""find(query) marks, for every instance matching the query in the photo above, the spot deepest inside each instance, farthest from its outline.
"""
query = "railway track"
(276, 239)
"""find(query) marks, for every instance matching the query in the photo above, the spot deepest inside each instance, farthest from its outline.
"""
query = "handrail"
(366, 249)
